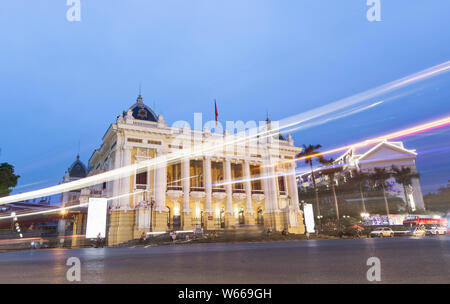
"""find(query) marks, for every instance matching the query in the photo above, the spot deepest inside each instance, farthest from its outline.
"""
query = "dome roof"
(143, 112)
(77, 169)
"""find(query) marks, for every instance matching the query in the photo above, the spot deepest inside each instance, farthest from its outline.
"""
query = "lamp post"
(319, 217)
(152, 202)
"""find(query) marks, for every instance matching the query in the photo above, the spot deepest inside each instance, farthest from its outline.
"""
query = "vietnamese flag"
(217, 113)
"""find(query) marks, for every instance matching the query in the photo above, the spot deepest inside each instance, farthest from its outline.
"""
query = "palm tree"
(379, 179)
(308, 153)
(360, 179)
(404, 176)
(330, 170)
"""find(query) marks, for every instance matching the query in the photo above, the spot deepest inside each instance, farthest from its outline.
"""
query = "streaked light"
(209, 147)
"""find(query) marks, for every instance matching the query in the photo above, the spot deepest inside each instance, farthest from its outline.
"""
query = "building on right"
(383, 155)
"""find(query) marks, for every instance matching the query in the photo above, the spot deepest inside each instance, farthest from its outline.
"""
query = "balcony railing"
(218, 189)
(238, 190)
(141, 186)
(197, 189)
(257, 191)
(174, 188)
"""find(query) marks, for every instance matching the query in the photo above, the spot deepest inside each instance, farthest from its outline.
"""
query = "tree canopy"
(8, 179)
(440, 201)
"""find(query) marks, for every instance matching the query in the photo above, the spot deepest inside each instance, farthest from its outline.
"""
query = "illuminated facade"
(225, 189)
(382, 155)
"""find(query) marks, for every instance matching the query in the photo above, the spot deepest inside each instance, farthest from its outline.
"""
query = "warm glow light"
(176, 210)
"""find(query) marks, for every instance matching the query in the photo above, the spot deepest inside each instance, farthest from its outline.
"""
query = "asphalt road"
(403, 260)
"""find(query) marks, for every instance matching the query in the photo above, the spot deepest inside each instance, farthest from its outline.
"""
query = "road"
(403, 260)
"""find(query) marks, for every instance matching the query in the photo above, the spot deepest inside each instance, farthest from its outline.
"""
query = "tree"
(438, 202)
(404, 176)
(7, 179)
(308, 153)
(379, 180)
(330, 170)
(360, 180)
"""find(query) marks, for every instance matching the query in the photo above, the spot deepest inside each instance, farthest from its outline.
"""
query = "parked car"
(417, 231)
(382, 232)
(435, 230)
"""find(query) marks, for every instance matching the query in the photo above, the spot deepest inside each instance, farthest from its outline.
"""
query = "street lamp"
(319, 217)
(152, 202)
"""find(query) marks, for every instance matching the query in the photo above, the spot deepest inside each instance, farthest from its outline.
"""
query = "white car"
(382, 232)
(416, 232)
(436, 230)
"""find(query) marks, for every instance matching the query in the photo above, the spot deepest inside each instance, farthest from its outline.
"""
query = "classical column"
(125, 183)
(273, 180)
(266, 187)
(272, 217)
(116, 182)
(228, 187)
(230, 219)
(208, 186)
(249, 218)
(186, 185)
(209, 217)
(161, 184)
(293, 188)
(159, 216)
(186, 212)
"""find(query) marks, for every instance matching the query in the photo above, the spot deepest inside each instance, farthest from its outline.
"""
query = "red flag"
(217, 114)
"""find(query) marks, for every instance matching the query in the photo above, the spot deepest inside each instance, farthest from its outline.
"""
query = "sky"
(63, 83)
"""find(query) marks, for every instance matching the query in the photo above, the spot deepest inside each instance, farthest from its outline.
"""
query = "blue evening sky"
(63, 82)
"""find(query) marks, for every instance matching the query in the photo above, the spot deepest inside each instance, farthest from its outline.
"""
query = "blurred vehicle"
(425, 220)
(435, 230)
(382, 232)
(39, 243)
(416, 231)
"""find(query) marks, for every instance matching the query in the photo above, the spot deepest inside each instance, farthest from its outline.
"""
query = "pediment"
(386, 151)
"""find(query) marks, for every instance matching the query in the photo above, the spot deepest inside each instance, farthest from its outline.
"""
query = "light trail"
(43, 212)
(398, 134)
(68, 207)
(402, 133)
(298, 173)
(256, 134)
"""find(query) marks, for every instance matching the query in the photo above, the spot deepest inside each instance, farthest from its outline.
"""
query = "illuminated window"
(236, 174)
(174, 177)
(281, 185)
(255, 172)
(196, 175)
(217, 176)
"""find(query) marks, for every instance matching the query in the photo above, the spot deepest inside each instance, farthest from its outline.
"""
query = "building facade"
(250, 183)
(365, 159)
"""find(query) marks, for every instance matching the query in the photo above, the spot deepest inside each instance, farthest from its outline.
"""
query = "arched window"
(241, 216)
(260, 217)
